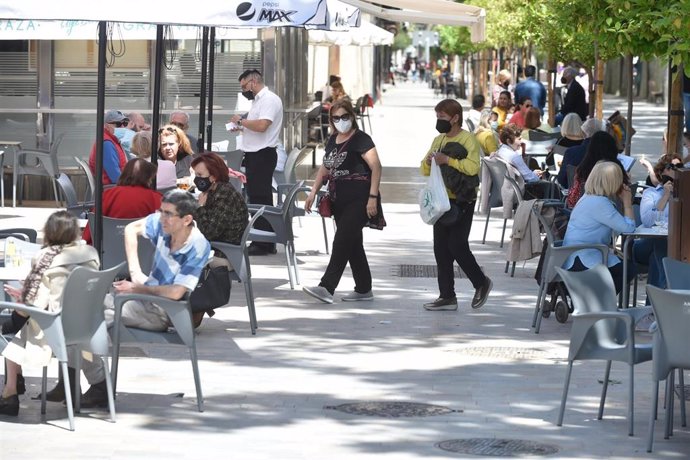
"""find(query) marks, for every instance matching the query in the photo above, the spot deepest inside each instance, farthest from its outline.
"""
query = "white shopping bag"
(433, 198)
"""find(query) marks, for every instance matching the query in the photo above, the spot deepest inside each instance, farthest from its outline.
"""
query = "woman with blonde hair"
(486, 136)
(596, 216)
(571, 131)
(174, 146)
(503, 80)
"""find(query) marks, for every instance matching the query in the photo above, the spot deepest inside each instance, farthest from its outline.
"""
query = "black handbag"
(213, 289)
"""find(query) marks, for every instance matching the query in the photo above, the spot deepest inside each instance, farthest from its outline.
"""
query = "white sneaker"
(319, 292)
(355, 296)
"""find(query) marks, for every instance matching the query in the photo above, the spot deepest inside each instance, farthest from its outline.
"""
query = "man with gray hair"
(181, 120)
(574, 155)
(575, 100)
(181, 253)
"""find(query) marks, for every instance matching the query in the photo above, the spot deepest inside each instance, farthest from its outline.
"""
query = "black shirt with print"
(349, 173)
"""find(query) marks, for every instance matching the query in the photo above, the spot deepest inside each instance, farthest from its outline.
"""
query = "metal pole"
(202, 96)
(157, 71)
(211, 71)
(100, 111)
(628, 122)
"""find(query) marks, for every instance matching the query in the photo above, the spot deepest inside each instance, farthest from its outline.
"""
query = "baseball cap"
(114, 116)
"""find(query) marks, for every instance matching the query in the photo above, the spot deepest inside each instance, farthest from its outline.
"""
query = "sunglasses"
(120, 124)
(344, 117)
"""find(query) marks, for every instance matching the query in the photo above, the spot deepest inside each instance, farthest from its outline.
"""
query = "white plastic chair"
(79, 324)
(601, 331)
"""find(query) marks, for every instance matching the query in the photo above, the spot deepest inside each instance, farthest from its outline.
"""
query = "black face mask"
(248, 94)
(564, 80)
(202, 183)
(443, 126)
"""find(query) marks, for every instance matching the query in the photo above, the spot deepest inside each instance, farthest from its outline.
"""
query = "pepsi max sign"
(269, 12)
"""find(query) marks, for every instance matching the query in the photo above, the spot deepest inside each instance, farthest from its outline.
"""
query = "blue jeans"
(650, 252)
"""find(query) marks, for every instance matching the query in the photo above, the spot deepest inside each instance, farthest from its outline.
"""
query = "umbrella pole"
(100, 110)
(202, 95)
(211, 72)
(157, 72)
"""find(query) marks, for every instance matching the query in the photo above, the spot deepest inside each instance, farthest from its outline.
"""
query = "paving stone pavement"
(270, 396)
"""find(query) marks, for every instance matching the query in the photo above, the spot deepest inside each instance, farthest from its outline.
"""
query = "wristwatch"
(239, 122)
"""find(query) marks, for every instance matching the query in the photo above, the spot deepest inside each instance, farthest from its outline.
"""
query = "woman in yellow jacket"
(456, 151)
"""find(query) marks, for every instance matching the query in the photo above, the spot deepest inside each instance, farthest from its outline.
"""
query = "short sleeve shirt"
(349, 173)
(266, 106)
(182, 267)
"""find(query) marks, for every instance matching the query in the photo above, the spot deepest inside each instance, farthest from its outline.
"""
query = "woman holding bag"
(456, 151)
(352, 169)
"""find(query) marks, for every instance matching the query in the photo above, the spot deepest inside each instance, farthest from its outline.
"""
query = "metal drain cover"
(393, 409)
(493, 447)
(421, 271)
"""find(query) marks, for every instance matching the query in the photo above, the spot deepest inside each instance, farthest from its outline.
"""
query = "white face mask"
(343, 126)
(494, 125)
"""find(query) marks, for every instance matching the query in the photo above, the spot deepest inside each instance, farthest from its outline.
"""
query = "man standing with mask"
(260, 136)
(574, 98)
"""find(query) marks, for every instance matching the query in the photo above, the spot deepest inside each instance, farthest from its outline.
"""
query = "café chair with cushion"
(601, 331)
(239, 260)
(670, 349)
(80, 325)
(182, 333)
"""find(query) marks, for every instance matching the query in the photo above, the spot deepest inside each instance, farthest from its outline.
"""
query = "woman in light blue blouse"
(596, 217)
(654, 208)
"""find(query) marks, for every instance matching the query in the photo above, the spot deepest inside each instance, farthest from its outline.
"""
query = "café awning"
(441, 12)
(321, 14)
(367, 34)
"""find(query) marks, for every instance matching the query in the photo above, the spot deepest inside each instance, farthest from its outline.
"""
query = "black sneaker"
(481, 294)
(9, 405)
(442, 304)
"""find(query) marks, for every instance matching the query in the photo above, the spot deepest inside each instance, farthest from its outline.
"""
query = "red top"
(127, 202)
(121, 157)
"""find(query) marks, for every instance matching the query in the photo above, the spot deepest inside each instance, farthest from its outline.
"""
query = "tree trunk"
(628, 122)
(600, 89)
(483, 73)
(551, 74)
(675, 112)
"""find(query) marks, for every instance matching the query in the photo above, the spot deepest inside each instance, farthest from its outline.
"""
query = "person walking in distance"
(260, 136)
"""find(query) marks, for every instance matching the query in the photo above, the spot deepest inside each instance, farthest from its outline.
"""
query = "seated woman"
(61, 253)
(175, 147)
(595, 217)
(518, 118)
(166, 176)
(133, 196)
(602, 147)
(571, 131)
(510, 151)
(485, 135)
(653, 209)
(337, 93)
(533, 123)
(222, 214)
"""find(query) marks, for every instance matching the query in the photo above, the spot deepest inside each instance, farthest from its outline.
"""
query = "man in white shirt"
(260, 136)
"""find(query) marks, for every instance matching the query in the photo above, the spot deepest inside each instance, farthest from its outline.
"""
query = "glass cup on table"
(660, 219)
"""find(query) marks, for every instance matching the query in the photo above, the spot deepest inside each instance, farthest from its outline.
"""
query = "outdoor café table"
(16, 147)
(640, 232)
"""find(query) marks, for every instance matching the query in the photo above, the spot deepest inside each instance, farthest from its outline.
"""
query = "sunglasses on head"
(170, 129)
(344, 117)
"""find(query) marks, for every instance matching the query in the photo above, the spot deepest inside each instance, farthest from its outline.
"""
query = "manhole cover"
(492, 447)
(393, 409)
(508, 352)
(421, 271)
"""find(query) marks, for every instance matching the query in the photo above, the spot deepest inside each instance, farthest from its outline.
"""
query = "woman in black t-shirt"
(352, 169)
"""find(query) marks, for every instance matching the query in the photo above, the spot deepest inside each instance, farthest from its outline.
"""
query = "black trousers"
(348, 247)
(451, 244)
(259, 167)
